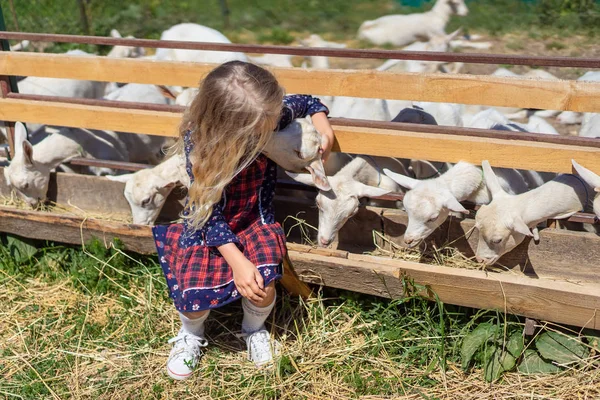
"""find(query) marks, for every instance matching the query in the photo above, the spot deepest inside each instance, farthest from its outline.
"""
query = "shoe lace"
(190, 341)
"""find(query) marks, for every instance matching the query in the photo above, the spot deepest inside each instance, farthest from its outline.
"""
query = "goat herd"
(513, 202)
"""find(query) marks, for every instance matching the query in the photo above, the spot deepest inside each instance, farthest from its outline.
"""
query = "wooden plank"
(452, 88)
(91, 117)
(74, 230)
(438, 147)
(537, 156)
(562, 302)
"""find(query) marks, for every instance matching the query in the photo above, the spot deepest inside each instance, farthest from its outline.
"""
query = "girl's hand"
(248, 281)
(322, 125)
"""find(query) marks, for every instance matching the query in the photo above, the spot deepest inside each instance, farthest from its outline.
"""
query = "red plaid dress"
(197, 275)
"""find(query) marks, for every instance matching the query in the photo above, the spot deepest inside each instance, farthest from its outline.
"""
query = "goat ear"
(363, 190)
(491, 180)
(518, 225)
(119, 178)
(301, 178)
(454, 34)
(401, 180)
(588, 176)
(27, 153)
(317, 172)
(20, 134)
(453, 205)
(115, 33)
(167, 92)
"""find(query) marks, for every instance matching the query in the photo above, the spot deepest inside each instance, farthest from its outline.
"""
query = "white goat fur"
(400, 30)
(508, 219)
(189, 32)
(428, 203)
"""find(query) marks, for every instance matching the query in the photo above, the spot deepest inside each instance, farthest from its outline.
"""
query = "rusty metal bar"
(360, 123)
(7, 84)
(475, 58)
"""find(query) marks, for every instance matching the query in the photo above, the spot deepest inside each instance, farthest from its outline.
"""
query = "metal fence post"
(7, 84)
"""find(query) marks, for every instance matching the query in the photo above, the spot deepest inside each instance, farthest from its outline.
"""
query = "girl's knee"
(268, 299)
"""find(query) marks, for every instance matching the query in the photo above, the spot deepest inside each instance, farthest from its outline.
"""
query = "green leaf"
(474, 340)
(514, 348)
(20, 250)
(593, 338)
(561, 348)
(532, 363)
(492, 368)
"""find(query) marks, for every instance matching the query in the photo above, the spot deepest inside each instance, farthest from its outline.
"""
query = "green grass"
(95, 324)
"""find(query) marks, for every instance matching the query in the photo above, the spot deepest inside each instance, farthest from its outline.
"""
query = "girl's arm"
(248, 280)
(322, 125)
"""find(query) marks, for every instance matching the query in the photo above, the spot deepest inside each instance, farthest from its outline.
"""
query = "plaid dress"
(197, 275)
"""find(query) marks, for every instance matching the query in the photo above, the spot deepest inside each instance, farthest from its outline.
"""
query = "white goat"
(29, 170)
(590, 125)
(400, 30)
(429, 202)
(508, 219)
(22, 45)
(147, 190)
(189, 32)
(294, 148)
(593, 180)
(436, 43)
(273, 60)
(124, 51)
(320, 62)
(362, 177)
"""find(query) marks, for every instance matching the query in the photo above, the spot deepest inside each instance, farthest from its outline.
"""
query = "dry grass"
(95, 325)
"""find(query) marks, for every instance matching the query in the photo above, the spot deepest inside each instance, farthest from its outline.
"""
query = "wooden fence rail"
(448, 88)
(539, 156)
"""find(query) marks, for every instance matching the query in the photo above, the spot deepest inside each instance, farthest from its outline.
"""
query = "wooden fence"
(554, 280)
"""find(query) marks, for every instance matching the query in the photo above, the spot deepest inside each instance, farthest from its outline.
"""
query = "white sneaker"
(260, 348)
(185, 354)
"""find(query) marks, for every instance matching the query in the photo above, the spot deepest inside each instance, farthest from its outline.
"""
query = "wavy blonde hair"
(231, 120)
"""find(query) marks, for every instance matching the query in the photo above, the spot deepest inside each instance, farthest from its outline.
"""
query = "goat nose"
(479, 259)
(408, 240)
(324, 242)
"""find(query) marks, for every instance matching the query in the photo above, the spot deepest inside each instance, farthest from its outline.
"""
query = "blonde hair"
(231, 120)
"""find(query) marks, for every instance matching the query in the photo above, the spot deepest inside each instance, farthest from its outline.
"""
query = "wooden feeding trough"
(557, 279)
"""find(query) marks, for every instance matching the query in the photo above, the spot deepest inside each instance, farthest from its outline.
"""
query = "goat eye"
(433, 219)
(146, 201)
(497, 241)
(25, 186)
(298, 153)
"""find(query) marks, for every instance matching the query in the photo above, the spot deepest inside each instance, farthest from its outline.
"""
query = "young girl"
(229, 245)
